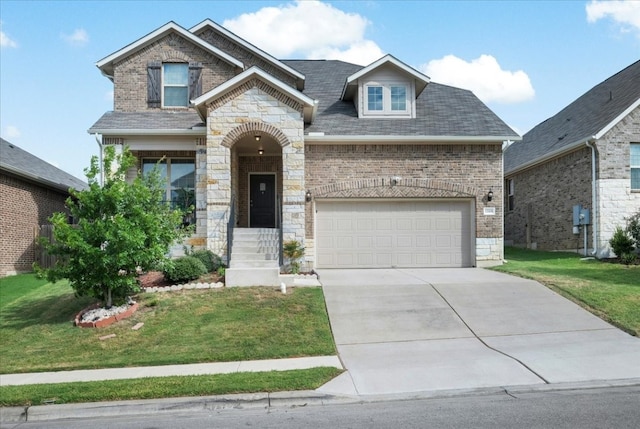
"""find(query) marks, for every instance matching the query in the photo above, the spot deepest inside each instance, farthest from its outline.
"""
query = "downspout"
(99, 141)
(594, 201)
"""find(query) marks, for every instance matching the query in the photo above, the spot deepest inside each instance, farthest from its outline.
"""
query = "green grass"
(166, 387)
(611, 291)
(179, 327)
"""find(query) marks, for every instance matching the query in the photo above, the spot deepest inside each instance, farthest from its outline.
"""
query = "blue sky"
(525, 60)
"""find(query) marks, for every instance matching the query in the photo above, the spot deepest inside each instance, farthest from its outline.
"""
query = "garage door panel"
(362, 234)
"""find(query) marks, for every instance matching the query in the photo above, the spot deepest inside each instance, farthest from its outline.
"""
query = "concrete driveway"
(415, 330)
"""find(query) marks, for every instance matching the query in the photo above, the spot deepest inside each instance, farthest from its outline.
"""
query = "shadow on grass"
(49, 310)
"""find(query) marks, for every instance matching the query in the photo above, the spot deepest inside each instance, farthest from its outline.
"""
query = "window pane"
(635, 178)
(398, 98)
(176, 74)
(635, 154)
(176, 96)
(183, 182)
(374, 98)
(148, 164)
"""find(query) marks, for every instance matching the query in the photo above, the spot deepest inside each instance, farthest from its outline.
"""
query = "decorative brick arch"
(383, 187)
(250, 128)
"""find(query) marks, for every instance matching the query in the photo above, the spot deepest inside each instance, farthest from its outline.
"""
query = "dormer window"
(387, 99)
(175, 85)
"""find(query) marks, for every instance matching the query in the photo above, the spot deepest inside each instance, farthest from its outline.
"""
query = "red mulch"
(153, 279)
(156, 279)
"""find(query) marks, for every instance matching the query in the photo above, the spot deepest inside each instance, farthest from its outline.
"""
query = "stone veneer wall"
(616, 199)
(544, 197)
(254, 106)
(130, 74)
(25, 206)
(426, 171)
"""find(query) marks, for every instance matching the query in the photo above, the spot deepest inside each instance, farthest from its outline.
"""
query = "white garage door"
(386, 234)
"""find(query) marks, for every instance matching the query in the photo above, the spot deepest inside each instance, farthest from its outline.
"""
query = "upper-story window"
(384, 99)
(173, 84)
(635, 166)
(511, 193)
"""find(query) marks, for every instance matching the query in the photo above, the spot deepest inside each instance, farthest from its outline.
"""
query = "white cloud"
(78, 38)
(483, 76)
(6, 41)
(625, 13)
(11, 132)
(308, 29)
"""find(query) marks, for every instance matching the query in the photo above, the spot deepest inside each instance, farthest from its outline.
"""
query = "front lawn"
(611, 291)
(179, 327)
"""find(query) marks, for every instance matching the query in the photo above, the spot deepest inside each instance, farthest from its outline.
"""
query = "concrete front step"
(254, 257)
(240, 277)
(255, 264)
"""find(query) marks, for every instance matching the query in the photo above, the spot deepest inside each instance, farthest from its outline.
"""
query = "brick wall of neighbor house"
(544, 197)
(247, 57)
(616, 200)
(427, 171)
(130, 74)
(25, 206)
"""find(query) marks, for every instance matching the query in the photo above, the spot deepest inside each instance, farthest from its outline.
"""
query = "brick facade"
(25, 206)
(544, 197)
(130, 74)
(426, 171)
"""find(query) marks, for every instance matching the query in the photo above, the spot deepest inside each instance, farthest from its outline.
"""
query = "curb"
(39, 413)
(292, 399)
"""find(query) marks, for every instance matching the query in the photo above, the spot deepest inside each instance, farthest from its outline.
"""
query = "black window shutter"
(154, 84)
(195, 80)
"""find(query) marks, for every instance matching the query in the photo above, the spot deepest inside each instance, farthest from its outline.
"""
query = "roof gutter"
(198, 131)
(37, 179)
(321, 137)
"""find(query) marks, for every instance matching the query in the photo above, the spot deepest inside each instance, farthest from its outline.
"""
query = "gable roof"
(588, 118)
(106, 64)
(443, 112)
(21, 163)
(351, 82)
(207, 23)
(309, 104)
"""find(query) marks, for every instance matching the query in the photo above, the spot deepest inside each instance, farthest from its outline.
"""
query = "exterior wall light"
(260, 151)
(307, 196)
(490, 195)
(257, 137)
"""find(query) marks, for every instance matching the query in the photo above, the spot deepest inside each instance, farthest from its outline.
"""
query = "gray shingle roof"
(441, 110)
(580, 120)
(148, 120)
(22, 163)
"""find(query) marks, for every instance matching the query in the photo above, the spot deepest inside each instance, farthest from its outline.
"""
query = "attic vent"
(563, 136)
(610, 95)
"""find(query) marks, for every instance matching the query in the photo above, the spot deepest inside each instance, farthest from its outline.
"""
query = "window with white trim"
(387, 99)
(179, 175)
(175, 85)
(635, 166)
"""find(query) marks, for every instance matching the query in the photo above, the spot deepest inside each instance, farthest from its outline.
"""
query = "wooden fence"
(41, 256)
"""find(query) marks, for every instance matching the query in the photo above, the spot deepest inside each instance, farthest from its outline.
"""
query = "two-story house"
(367, 167)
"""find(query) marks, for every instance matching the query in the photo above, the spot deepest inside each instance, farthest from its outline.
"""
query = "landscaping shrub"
(621, 243)
(184, 269)
(293, 251)
(210, 260)
(633, 228)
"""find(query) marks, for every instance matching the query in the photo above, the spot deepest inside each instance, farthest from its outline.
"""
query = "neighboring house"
(370, 166)
(588, 155)
(31, 190)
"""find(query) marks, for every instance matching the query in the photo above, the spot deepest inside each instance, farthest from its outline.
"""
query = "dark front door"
(262, 201)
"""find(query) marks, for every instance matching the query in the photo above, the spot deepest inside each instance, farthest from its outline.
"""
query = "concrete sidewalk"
(169, 370)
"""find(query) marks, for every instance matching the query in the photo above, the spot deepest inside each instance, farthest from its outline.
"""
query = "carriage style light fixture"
(307, 196)
(490, 195)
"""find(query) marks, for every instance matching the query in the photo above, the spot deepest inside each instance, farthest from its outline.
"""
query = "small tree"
(621, 243)
(122, 227)
(633, 228)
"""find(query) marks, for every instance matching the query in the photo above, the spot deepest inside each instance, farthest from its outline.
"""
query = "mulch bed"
(156, 279)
